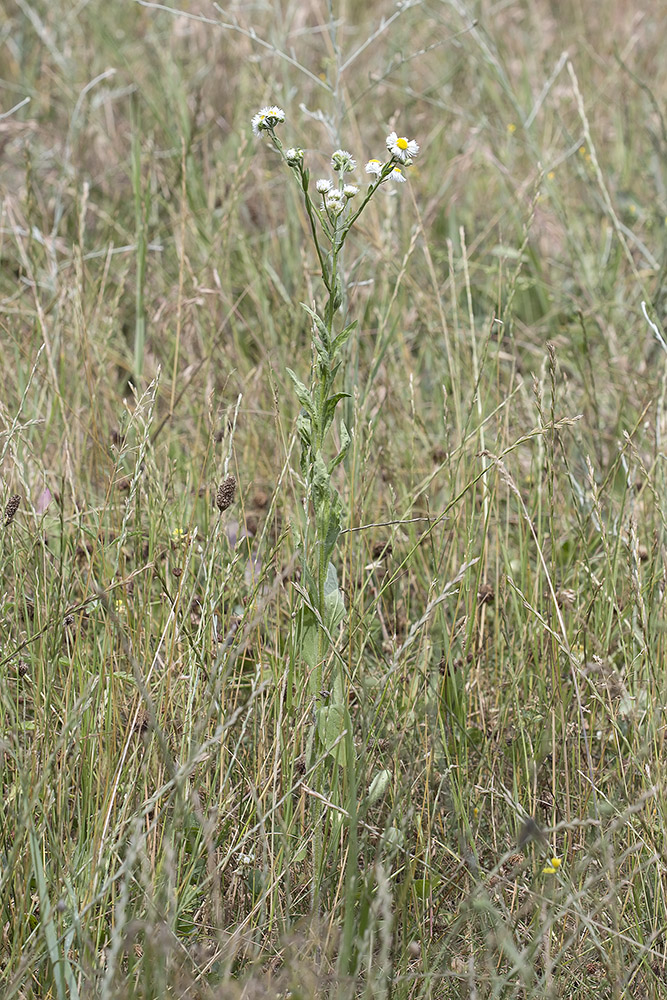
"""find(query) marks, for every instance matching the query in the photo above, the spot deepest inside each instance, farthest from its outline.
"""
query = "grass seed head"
(11, 508)
(226, 493)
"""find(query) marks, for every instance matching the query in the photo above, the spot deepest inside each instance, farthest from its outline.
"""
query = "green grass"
(165, 830)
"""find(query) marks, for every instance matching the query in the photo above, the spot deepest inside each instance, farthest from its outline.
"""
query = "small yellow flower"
(511, 128)
(552, 867)
(120, 607)
(582, 151)
(551, 175)
(178, 534)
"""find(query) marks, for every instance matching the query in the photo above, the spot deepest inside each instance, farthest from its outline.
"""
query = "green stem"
(386, 170)
(313, 229)
(303, 179)
(140, 226)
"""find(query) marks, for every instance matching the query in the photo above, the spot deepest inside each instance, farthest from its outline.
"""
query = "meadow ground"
(434, 770)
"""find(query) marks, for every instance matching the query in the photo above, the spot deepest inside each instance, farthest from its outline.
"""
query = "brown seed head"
(382, 550)
(11, 508)
(226, 493)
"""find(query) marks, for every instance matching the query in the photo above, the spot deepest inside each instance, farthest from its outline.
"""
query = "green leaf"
(311, 585)
(255, 881)
(392, 839)
(330, 727)
(338, 294)
(321, 488)
(301, 852)
(333, 522)
(330, 408)
(338, 696)
(321, 349)
(304, 428)
(319, 324)
(424, 887)
(378, 786)
(343, 337)
(334, 602)
(303, 394)
(308, 640)
(345, 440)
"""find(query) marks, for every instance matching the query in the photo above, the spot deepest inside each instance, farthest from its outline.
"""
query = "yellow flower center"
(402, 143)
(397, 170)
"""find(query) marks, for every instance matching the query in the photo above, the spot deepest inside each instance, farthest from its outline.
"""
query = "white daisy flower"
(350, 190)
(343, 161)
(334, 201)
(324, 186)
(293, 156)
(397, 175)
(267, 119)
(374, 167)
(401, 148)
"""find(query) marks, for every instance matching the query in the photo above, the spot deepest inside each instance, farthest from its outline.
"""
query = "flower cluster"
(267, 119)
(401, 151)
(342, 162)
(293, 156)
(244, 863)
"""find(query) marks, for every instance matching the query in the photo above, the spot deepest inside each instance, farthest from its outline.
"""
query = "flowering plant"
(331, 214)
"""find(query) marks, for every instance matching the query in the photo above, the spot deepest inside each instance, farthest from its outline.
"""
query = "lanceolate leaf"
(319, 324)
(330, 409)
(343, 337)
(345, 440)
(303, 394)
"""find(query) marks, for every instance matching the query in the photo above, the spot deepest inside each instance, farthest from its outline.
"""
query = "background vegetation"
(504, 559)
